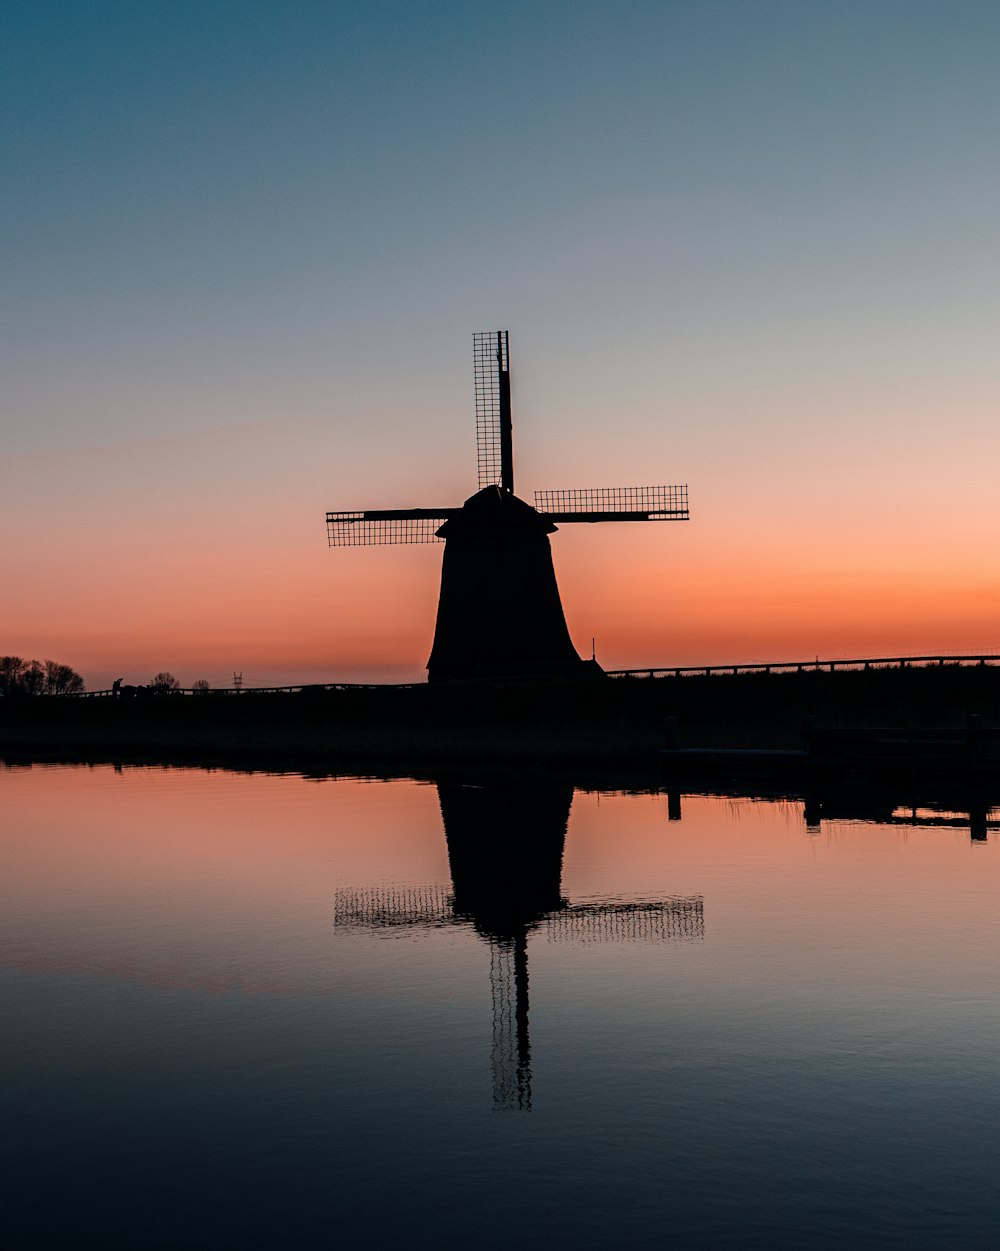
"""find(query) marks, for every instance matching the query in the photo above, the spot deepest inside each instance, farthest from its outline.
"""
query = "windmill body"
(499, 612)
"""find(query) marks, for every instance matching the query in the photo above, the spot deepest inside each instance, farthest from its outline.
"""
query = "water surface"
(251, 1010)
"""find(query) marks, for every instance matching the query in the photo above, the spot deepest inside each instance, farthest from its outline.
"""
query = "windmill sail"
(494, 438)
(499, 612)
(652, 503)
(378, 527)
(675, 919)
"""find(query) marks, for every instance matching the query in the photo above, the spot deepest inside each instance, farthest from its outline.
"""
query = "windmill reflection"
(505, 851)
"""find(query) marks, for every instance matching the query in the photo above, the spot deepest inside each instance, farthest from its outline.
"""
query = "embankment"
(613, 722)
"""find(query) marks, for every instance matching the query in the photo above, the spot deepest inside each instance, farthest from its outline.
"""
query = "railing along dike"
(808, 666)
(665, 671)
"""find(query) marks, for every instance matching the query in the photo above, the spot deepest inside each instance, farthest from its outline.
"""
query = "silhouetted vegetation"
(164, 683)
(202, 686)
(37, 677)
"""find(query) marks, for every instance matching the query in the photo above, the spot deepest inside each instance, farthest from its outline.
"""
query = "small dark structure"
(499, 613)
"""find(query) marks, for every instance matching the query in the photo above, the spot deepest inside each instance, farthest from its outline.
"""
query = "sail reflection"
(505, 853)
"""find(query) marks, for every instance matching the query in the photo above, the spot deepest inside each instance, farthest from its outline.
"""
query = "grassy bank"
(614, 721)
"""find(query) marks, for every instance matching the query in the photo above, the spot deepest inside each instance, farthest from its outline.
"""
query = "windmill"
(505, 850)
(499, 612)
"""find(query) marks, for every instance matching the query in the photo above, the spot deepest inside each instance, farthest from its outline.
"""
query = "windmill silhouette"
(505, 850)
(499, 612)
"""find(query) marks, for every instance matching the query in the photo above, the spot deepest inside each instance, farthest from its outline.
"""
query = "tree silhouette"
(61, 679)
(164, 683)
(33, 677)
(11, 669)
(201, 687)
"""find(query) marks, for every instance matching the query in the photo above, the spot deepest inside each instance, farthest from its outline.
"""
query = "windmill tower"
(505, 850)
(499, 612)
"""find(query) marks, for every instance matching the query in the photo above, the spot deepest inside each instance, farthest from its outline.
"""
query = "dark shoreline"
(595, 728)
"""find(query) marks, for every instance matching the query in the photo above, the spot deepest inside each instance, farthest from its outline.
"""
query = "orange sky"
(654, 595)
(769, 572)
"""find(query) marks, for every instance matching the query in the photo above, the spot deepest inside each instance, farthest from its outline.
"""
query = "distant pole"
(237, 680)
(593, 648)
(506, 423)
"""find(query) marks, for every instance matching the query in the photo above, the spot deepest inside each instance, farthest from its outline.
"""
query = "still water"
(252, 1010)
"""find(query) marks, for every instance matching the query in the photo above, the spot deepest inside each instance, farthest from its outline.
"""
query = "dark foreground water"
(259, 1011)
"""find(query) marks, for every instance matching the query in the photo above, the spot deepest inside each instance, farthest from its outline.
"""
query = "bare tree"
(32, 677)
(201, 687)
(11, 669)
(61, 679)
(164, 683)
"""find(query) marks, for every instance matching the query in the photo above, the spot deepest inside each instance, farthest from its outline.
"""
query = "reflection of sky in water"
(197, 1055)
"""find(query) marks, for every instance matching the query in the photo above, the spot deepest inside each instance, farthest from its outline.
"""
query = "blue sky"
(748, 245)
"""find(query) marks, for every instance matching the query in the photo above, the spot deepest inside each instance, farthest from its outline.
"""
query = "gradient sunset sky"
(750, 246)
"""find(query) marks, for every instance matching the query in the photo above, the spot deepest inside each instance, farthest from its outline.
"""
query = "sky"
(752, 247)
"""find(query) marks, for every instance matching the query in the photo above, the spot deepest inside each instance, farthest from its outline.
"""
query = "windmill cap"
(491, 510)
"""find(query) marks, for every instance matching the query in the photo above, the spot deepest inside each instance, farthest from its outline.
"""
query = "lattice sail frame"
(486, 344)
(355, 529)
(495, 466)
(644, 503)
(509, 1057)
(667, 920)
(394, 908)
